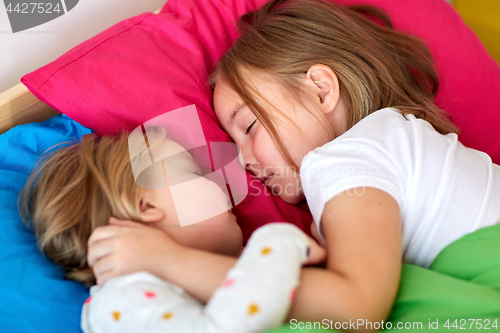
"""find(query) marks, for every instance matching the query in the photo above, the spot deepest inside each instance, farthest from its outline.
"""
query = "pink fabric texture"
(151, 64)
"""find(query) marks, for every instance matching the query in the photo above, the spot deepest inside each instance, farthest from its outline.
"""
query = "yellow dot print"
(266, 250)
(253, 309)
(116, 315)
(167, 315)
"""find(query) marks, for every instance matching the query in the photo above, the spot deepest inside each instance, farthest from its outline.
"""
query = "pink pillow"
(151, 64)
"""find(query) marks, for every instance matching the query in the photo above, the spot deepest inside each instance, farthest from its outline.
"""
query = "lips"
(266, 181)
(265, 178)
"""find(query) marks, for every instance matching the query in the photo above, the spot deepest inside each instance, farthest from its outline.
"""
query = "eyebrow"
(235, 112)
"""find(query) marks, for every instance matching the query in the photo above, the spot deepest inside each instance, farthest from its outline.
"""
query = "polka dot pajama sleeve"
(256, 294)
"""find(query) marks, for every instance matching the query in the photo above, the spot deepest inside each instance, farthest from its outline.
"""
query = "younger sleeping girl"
(78, 187)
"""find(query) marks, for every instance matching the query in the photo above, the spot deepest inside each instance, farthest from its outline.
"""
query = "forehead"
(227, 104)
(235, 113)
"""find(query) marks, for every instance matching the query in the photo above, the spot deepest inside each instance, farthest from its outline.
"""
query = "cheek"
(264, 149)
(288, 181)
(297, 146)
(290, 191)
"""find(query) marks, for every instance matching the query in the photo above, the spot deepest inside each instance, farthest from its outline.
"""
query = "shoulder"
(379, 126)
(374, 153)
(390, 123)
(384, 118)
(383, 133)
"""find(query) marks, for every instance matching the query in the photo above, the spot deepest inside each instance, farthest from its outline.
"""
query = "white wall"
(25, 51)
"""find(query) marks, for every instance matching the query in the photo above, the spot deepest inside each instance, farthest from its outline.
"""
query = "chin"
(235, 246)
(233, 250)
(292, 199)
(238, 253)
(293, 195)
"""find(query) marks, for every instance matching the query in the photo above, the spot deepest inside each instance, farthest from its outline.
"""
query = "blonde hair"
(376, 66)
(75, 189)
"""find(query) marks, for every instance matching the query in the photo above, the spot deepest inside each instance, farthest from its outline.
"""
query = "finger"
(317, 253)
(105, 276)
(316, 235)
(102, 232)
(98, 250)
(105, 270)
(103, 265)
(314, 230)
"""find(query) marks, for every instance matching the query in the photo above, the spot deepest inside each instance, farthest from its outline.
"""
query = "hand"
(125, 247)
(317, 253)
(316, 235)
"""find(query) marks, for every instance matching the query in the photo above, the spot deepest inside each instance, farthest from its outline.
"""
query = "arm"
(258, 291)
(361, 279)
(143, 302)
(363, 234)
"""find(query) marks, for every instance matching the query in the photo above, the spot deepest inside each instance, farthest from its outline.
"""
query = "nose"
(247, 160)
(249, 167)
(252, 168)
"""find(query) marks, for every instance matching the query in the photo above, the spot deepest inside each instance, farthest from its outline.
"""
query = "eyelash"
(250, 126)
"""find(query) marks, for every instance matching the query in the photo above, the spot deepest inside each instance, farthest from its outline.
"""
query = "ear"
(149, 212)
(325, 85)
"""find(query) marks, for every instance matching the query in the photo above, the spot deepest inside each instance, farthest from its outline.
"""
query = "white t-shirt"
(444, 190)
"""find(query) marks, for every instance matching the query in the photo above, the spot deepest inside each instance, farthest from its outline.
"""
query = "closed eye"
(250, 126)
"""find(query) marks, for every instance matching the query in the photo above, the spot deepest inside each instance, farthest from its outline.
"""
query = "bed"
(105, 84)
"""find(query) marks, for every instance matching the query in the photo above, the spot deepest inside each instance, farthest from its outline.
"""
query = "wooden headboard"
(19, 106)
